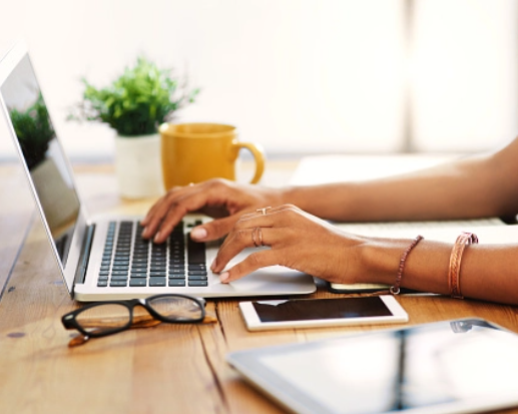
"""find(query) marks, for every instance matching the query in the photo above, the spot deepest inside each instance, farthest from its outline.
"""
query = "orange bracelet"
(462, 241)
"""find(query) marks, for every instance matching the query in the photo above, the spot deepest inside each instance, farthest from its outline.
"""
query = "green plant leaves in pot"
(137, 102)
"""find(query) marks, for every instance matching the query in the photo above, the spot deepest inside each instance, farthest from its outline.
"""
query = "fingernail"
(224, 277)
(145, 232)
(157, 236)
(199, 233)
(213, 265)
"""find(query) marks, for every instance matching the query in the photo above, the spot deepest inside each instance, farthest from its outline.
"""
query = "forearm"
(468, 188)
(488, 272)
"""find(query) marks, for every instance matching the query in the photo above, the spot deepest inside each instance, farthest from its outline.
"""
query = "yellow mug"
(195, 152)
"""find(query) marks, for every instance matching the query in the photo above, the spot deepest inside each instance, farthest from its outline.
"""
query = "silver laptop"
(105, 258)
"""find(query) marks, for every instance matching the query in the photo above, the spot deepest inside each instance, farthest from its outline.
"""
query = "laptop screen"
(42, 153)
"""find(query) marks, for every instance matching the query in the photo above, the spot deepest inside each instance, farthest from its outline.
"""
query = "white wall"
(465, 73)
(298, 76)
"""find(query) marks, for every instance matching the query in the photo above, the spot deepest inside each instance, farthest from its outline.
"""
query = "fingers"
(282, 228)
(162, 218)
(215, 229)
(218, 228)
(253, 262)
(217, 194)
(266, 217)
(239, 240)
(162, 208)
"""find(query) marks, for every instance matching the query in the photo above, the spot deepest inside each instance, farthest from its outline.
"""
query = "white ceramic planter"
(138, 166)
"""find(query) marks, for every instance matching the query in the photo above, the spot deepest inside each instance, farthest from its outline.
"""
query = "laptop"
(459, 366)
(104, 258)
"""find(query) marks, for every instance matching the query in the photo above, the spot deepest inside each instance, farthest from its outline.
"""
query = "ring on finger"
(263, 210)
(257, 237)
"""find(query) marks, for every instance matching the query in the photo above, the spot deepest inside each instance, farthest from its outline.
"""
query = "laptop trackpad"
(274, 279)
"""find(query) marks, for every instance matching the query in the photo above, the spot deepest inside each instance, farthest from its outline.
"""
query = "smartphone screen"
(318, 309)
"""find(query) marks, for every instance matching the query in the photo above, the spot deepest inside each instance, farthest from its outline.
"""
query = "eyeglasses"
(106, 318)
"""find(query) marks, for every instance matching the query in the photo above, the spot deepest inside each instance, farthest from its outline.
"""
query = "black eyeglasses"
(106, 318)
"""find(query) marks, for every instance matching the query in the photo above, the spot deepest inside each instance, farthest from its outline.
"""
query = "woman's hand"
(296, 239)
(222, 199)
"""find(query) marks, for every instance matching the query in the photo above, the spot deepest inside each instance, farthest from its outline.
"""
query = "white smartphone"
(313, 313)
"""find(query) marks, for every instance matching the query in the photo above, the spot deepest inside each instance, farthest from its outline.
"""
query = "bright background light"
(298, 76)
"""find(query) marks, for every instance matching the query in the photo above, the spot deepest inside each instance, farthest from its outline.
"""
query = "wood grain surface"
(164, 369)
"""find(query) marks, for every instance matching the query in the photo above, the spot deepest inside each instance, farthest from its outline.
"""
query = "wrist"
(296, 196)
(380, 259)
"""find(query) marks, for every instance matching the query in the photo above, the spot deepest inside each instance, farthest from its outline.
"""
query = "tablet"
(459, 366)
(314, 313)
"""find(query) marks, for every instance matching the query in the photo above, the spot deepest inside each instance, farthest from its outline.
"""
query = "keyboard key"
(197, 273)
(176, 282)
(157, 281)
(120, 268)
(139, 269)
(177, 261)
(197, 283)
(177, 276)
(197, 278)
(137, 282)
(102, 283)
(119, 277)
(139, 275)
(196, 251)
(118, 283)
(197, 266)
(121, 262)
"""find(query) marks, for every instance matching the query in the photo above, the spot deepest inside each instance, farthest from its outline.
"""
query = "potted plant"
(134, 105)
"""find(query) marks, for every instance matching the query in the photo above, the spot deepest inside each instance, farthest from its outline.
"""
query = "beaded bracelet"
(395, 289)
(462, 241)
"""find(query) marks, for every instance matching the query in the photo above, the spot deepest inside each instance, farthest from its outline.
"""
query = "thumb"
(215, 229)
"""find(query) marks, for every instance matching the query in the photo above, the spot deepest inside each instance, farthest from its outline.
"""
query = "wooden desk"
(166, 369)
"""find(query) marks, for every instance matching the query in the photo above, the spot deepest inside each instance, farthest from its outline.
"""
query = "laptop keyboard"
(129, 260)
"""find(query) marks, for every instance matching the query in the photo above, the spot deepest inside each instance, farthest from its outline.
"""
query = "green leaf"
(138, 101)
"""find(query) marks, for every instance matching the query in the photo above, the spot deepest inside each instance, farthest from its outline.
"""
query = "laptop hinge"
(82, 265)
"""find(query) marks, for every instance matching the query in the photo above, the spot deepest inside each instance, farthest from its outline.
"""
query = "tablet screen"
(439, 368)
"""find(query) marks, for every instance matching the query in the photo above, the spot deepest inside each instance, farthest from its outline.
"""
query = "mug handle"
(258, 154)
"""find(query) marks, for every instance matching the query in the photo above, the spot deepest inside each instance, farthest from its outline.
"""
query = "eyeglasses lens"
(104, 318)
(176, 308)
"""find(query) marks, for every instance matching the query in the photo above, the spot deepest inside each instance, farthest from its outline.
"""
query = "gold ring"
(260, 231)
(254, 236)
(263, 210)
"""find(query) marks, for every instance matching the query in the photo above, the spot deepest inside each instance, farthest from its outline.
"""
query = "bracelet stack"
(462, 241)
